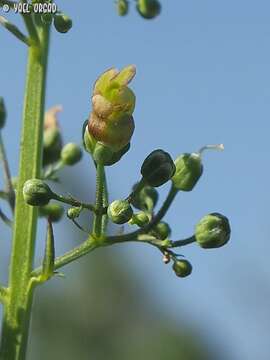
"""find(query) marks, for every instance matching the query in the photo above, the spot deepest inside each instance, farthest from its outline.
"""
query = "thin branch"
(5, 219)
(14, 30)
(7, 176)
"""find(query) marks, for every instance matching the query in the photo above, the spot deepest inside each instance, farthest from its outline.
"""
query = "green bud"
(145, 199)
(3, 113)
(140, 219)
(182, 268)
(157, 168)
(71, 154)
(213, 231)
(74, 212)
(62, 23)
(148, 9)
(189, 169)
(106, 156)
(47, 18)
(52, 211)
(120, 211)
(162, 230)
(36, 192)
(122, 7)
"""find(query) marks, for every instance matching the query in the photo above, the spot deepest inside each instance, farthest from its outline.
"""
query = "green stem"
(97, 225)
(17, 311)
(73, 202)
(105, 203)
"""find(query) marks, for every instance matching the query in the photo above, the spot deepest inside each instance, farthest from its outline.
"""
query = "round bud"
(74, 212)
(148, 9)
(62, 23)
(71, 154)
(213, 231)
(36, 192)
(145, 199)
(189, 169)
(157, 168)
(52, 211)
(182, 268)
(122, 7)
(162, 230)
(140, 219)
(3, 113)
(120, 211)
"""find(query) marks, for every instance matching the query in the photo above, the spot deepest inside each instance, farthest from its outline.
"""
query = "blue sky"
(202, 77)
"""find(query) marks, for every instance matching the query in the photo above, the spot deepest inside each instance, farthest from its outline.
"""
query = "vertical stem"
(105, 204)
(97, 226)
(17, 311)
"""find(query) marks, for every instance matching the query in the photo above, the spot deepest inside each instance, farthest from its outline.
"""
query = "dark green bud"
(140, 219)
(52, 211)
(182, 268)
(122, 7)
(3, 113)
(213, 231)
(104, 155)
(162, 230)
(148, 9)
(74, 212)
(120, 211)
(47, 18)
(71, 154)
(157, 168)
(145, 199)
(62, 23)
(189, 169)
(36, 192)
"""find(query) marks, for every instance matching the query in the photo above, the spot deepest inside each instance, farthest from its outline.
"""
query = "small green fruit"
(71, 154)
(213, 231)
(62, 23)
(148, 9)
(189, 169)
(36, 192)
(182, 268)
(162, 230)
(140, 219)
(122, 7)
(120, 211)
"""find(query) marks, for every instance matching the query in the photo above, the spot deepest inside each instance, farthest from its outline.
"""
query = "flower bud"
(161, 231)
(189, 169)
(122, 7)
(3, 113)
(213, 231)
(52, 211)
(111, 120)
(52, 140)
(62, 23)
(71, 154)
(74, 212)
(120, 211)
(140, 219)
(148, 9)
(182, 268)
(157, 168)
(36, 192)
(145, 199)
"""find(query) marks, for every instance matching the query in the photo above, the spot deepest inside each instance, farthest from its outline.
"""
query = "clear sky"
(202, 78)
